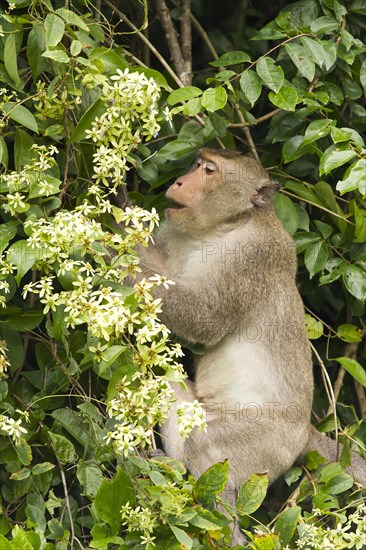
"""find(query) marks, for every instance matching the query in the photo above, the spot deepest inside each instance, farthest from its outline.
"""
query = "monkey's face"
(220, 187)
(189, 192)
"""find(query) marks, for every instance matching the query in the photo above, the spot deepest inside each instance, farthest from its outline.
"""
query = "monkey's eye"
(209, 167)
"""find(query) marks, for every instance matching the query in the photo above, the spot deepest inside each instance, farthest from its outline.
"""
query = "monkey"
(235, 294)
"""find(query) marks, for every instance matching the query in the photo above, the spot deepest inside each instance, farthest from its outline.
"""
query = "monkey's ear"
(264, 194)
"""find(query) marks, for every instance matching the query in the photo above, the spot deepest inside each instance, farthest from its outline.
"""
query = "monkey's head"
(221, 187)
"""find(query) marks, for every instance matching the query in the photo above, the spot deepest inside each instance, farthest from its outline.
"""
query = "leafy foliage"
(84, 361)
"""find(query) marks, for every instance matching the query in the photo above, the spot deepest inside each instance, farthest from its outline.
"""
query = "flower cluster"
(190, 415)
(13, 428)
(172, 500)
(140, 519)
(350, 532)
(4, 361)
(131, 115)
(33, 181)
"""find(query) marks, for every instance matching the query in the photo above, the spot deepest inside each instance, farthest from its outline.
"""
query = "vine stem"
(330, 393)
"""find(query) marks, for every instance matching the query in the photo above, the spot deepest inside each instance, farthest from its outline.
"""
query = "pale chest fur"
(238, 372)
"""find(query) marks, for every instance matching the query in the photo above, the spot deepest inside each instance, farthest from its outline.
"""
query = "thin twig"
(247, 134)
(286, 192)
(349, 351)
(257, 120)
(330, 393)
(201, 31)
(146, 41)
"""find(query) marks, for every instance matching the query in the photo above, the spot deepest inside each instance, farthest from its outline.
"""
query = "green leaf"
(183, 94)
(305, 239)
(230, 58)
(313, 460)
(330, 52)
(5, 544)
(318, 129)
(211, 483)
(72, 423)
(63, 448)
(15, 347)
(10, 57)
(333, 159)
(286, 212)
(20, 114)
(354, 279)
(42, 468)
(314, 328)
(346, 134)
(86, 121)
(292, 149)
(336, 267)
(286, 523)
(182, 537)
(24, 473)
(75, 47)
(192, 107)
(23, 257)
(354, 368)
(315, 257)
(268, 33)
(176, 149)
(23, 152)
(349, 333)
(4, 157)
(24, 452)
(363, 75)
(354, 178)
(110, 59)
(339, 484)
(55, 28)
(324, 25)
(292, 475)
(36, 62)
(57, 55)
(72, 18)
(300, 58)
(315, 49)
(214, 99)
(111, 496)
(286, 98)
(360, 224)
(8, 231)
(90, 477)
(251, 85)
(251, 494)
(271, 74)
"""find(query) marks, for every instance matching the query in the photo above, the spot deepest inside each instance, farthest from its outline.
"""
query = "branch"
(143, 38)
(186, 39)
(171, 37)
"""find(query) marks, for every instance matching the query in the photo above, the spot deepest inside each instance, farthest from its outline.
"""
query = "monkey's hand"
(151, 261)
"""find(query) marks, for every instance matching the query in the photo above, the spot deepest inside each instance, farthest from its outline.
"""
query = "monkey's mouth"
(174, 205)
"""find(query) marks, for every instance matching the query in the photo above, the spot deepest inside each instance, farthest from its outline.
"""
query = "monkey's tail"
(327, 447)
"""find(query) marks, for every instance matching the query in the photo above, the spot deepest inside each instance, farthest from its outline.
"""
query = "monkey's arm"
(207, 309)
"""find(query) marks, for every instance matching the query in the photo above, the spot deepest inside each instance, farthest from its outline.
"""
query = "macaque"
(234, 267)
